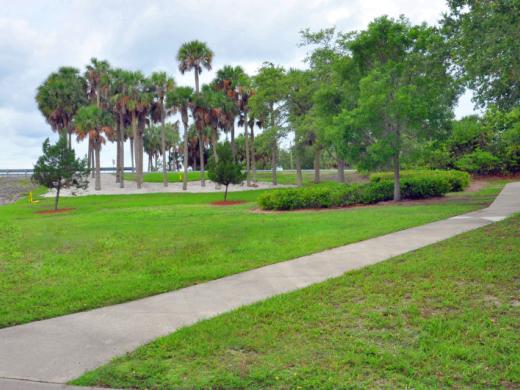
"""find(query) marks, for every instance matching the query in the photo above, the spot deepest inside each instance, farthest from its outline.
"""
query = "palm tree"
(229, 80)
(97, 76)
(161, 84)
(180, 99)
(194, 55)
(95, 124)
(139, 103)
(60, 97)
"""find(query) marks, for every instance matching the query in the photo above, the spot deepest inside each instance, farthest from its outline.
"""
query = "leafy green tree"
(266, 105)
(59, 98)
(94, 124)
(405, 91)
(59, 168)
(485, 41)
(194, 55)
(225, 170)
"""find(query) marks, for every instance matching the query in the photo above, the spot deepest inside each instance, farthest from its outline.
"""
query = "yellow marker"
(31, 200)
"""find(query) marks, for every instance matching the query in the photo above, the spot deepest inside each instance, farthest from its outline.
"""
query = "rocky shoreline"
(14, 187)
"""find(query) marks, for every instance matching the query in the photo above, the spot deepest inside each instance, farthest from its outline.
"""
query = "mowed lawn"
(112, 249)
(445, 316)
(283, 177)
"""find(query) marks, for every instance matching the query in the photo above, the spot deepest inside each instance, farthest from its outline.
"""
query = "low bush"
(457, 180)
(479, 161)
(341, 195)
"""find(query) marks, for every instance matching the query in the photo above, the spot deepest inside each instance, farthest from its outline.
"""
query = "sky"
(37, 37)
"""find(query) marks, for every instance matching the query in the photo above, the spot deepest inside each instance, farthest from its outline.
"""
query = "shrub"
(479, 161)
(340, 195)
(457, 180)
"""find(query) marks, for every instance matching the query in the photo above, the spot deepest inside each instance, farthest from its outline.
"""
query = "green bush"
(479, 161)
(457, 180)
(341, 195)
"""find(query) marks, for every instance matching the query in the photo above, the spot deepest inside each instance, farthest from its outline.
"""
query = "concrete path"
(60, 349)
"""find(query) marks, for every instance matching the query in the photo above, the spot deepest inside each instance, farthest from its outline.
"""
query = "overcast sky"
(37, 37)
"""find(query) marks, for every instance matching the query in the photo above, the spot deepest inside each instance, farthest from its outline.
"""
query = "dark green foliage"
(225, 170)
(414, 185)
(457, 180)
(59, 168)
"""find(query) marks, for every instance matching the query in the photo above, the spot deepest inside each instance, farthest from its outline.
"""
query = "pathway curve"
(60, 349)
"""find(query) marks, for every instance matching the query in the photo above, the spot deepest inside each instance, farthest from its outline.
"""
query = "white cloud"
(37, 37)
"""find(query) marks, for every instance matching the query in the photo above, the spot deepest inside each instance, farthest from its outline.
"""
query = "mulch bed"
(227, 202)
(54, 211)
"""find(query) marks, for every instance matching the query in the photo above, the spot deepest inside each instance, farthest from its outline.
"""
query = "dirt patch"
(227, 202)
(54, 211)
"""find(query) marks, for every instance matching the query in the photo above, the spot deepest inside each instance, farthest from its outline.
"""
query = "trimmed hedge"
(417, 185)
(458, 180)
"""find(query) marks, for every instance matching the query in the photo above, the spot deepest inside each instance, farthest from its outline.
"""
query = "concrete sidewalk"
(60, 349)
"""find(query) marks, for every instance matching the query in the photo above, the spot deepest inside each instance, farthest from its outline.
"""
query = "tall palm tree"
(194, 55)
(180, 99)
(95, 124)
(139, 104)
(97, 76)
(230, 79)
(161, 84)
(59, 98)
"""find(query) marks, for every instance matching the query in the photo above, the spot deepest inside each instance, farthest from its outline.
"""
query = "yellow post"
(30, 198)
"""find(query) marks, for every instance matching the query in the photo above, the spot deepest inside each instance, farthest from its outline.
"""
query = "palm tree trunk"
(185, 161)
(163, 147)
(233, 144)
(214, 147)
(98, 166)
(248, 161)
(201, 153)
(89, 156)
(92, 158)
(132, 154)
(118, 155)
(253, 156)
(122, 154)
(196, 80)
(317, 157)
(341, 170)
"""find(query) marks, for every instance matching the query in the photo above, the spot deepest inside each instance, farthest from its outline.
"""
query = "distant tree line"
(381, 98)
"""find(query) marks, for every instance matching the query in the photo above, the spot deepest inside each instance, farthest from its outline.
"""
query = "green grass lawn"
(445, 316)
(112, 249)
(283, 177)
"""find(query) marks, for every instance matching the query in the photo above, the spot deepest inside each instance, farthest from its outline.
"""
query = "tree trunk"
(122, 155)
(233, 144)
(163, 147)
(118, 154)
(92, 158)
(248, 161)
(298, 161)
(89, 156)
(397, 177)
(132, 154)
(225, 193)
(137, 154)
(214, 147)
(196, 80)
(274, 161)
(201, 153)
(57, 199)
(70, 140)
(98, 166)
(341, 170)
(185, 161)
(317, 157)
(253, 156)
